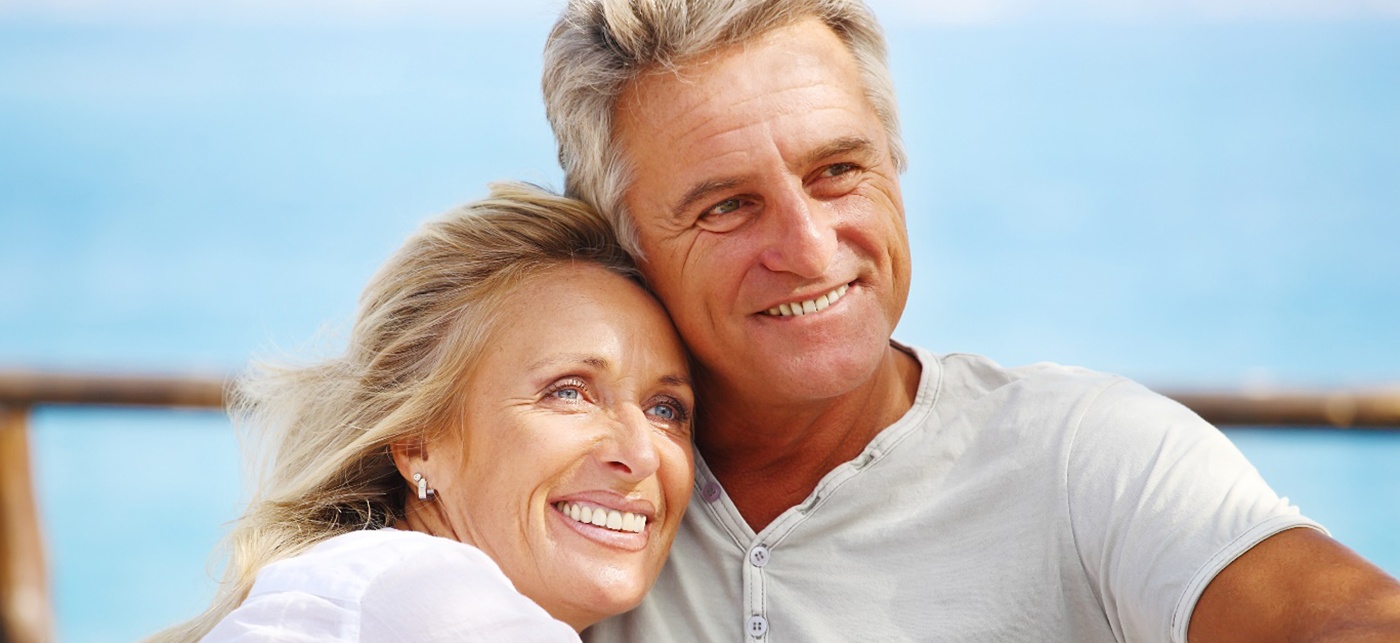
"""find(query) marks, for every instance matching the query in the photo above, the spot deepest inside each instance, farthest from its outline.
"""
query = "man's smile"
(807, 307)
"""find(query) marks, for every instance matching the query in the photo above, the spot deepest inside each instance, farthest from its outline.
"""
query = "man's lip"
(789, 301)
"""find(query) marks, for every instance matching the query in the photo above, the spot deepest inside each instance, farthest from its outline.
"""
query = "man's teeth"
(811, 305)
(602, 517)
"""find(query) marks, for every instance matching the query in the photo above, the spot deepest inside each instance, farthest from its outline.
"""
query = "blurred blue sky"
(1183, 199)
(1189, 193)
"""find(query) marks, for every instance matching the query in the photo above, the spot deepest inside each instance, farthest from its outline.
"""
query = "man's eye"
(724, 207)
(568, 394)
(837, 169)
(727, 215)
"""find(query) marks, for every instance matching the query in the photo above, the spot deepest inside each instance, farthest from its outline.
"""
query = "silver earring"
(424, 493)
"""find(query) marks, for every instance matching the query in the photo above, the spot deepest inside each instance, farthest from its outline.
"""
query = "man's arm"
(1298, 585)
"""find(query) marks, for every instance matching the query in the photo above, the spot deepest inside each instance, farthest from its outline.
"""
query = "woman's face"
(579, 408)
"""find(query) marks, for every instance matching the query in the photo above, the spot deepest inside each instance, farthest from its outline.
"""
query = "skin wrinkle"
(851, 145)
(686, 127)
(751, 131)
(700, 193)
(829, 150)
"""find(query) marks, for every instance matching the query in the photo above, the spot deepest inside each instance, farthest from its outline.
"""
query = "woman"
(503, 453)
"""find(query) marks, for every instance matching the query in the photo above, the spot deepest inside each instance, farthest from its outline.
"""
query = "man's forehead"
(668, 91)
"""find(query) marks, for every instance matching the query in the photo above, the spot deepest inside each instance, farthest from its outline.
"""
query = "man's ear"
(409, 456)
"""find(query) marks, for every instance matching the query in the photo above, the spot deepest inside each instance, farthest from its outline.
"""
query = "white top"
(388, 585)
(1042, 503)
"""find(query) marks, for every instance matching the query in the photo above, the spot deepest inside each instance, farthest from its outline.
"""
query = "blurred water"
(1348, 481)
(1184, 204)
(133, 503)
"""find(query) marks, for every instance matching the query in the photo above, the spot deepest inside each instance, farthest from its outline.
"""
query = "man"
(851, 488)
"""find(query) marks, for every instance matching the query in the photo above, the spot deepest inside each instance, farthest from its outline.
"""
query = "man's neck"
(770, 457)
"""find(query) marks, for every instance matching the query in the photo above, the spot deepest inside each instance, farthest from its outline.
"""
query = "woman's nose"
(629, 448)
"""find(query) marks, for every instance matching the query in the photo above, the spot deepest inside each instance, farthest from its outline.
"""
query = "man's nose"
(629, 448)
(801, 234)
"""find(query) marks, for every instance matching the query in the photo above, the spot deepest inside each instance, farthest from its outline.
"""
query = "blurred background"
(1196, 194)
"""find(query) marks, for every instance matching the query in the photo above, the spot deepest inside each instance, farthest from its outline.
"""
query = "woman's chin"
(588, 576)
(584, 601)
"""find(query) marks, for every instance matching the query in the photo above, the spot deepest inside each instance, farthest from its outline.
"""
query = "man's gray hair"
(599, 47)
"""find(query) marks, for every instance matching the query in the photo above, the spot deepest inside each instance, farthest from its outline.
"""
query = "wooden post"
(25, 613)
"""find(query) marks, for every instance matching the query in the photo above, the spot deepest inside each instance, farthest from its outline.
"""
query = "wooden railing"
(26, 614)
(25, 611)
(1372, 409)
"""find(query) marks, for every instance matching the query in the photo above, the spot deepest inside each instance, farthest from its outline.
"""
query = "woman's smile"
(573, 464)
(621, 530)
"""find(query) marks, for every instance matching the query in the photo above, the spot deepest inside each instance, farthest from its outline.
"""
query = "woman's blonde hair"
(322, 433)
(598, 48)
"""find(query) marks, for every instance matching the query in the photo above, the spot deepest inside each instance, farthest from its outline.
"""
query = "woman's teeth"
(811, 305)
(602, 517)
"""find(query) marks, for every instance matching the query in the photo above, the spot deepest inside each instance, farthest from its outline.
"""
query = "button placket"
(710, 492)
(757, 626)
(759, 556)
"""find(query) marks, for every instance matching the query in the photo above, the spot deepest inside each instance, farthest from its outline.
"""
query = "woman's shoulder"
(386, 584)
(344, 567)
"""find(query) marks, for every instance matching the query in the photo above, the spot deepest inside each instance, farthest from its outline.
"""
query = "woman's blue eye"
(568, 393)
(671, 411)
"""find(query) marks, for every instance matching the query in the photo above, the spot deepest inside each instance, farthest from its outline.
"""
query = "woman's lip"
(624, 540)
(610, 500)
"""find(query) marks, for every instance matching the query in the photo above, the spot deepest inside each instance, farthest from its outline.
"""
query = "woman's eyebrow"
(593, 361)
(676, 380)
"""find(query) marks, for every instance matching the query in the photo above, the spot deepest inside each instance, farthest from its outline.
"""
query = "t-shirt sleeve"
(1160, 502)
(453, 594)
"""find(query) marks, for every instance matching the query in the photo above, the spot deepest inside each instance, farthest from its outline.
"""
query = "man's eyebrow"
(844, 145)
(706, 189)
(699, 192)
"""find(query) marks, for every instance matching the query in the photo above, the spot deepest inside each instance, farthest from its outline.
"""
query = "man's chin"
(809, 377)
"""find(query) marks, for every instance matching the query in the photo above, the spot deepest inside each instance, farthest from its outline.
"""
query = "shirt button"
(710, 492)
(757, 626)
(759, 556)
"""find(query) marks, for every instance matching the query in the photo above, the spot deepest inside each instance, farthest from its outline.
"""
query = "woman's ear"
(409, 456)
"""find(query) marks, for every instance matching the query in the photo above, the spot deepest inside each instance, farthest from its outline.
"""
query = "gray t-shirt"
(1042, 503)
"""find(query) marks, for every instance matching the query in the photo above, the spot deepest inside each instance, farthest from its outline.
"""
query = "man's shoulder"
(1046, 405)
(969, 378)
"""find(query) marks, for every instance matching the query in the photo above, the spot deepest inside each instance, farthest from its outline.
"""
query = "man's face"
(764, 186)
